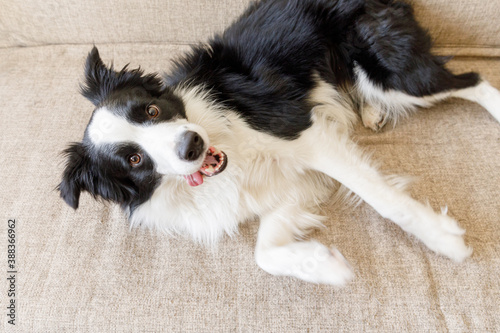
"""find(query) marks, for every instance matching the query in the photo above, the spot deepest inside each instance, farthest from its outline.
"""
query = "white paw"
(308, 261)
(444, 236)
(373, 118)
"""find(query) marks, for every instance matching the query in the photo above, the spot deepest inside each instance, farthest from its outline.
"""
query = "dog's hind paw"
(373, 118)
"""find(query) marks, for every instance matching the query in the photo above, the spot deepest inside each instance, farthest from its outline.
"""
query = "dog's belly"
(261, 176)
(271, 183)
(269, 174)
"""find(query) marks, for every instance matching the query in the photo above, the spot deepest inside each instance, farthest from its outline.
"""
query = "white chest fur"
(263, 172)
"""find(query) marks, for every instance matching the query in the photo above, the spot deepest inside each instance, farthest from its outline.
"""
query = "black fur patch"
(262, 66)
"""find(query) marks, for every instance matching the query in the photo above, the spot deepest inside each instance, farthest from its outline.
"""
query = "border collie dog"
(256, 123)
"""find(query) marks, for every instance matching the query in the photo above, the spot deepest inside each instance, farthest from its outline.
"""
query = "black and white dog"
(256, 122)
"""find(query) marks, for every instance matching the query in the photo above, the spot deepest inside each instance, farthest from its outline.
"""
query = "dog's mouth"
(215, 162)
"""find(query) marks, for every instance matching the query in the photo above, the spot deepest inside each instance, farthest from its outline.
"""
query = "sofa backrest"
(469, 27)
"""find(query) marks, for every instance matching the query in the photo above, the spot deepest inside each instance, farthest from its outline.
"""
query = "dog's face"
(138, 133)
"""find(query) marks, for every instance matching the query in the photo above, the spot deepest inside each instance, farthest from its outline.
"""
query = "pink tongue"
(195, 179)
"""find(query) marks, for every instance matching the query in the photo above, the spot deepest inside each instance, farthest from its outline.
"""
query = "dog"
(256, 123)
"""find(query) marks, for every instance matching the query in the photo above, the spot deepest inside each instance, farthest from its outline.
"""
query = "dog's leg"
(396, 72)
(381, 106)
(483, 94)
(341, 160)
(279, 253)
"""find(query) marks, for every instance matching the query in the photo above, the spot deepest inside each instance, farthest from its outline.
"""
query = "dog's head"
(138, 133)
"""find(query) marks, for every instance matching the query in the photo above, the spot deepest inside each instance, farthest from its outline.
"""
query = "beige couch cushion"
(467, 27)
(85, 271)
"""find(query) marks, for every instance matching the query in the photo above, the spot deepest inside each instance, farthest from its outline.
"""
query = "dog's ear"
(74, 174)
(97, 78)
(100, 80)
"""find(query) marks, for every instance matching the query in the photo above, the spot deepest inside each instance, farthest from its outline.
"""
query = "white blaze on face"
(157, 140)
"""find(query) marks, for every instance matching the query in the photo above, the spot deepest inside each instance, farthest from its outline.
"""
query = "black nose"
(190, 146)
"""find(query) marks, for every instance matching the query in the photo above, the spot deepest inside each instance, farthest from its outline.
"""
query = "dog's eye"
(153, 111)
(135, 160)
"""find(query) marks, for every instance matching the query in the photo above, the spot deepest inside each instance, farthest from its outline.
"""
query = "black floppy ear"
(74, 175)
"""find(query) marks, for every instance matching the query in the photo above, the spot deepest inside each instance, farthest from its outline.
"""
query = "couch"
(87, 271)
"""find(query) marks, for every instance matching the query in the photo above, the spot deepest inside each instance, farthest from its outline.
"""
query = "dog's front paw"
(308, 261)
(446, 237)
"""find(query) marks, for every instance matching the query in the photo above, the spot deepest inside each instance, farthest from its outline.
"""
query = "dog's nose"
(190, 146)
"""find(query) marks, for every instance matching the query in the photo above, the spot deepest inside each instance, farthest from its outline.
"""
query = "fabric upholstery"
(465, 26)
(86, 271)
